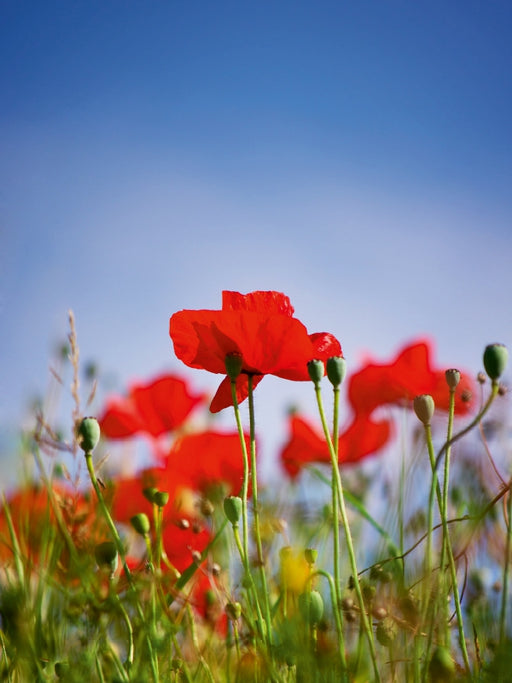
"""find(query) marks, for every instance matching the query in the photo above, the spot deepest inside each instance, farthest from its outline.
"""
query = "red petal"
(269, 303)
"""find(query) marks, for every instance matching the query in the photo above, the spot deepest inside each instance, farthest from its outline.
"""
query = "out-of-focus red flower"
(363, 437)
(407, 375)
(259, 327)
(155, 408)
(206, 601)
(183, 539)
(203, 460)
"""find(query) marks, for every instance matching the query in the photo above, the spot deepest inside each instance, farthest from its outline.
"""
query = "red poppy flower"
(259, 327)
(409, 374)
(155, 408)
(200, 461)
(360, 439)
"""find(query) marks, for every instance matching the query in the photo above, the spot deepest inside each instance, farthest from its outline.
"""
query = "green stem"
(449, 550)
(506, 565)
(348, 536)
(122, 555)
(245, 481)
(256, 512)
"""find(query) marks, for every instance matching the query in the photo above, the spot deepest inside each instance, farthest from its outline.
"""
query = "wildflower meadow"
(379, 549)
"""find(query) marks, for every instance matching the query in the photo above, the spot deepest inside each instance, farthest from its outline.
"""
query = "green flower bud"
(311, 606)
(336, 370)
(441, 667)
(140, 523)
(495, 360)
(316, 371)
(149, 493)
(311, 554)
(106, 555)
(234, 610)
(234, 362)
(424, 407)
(452, 378)
(233, 509)
(88, 434)
(160, 498)
(386, 631)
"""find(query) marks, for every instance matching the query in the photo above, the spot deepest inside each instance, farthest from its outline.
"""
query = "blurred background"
(354, 155)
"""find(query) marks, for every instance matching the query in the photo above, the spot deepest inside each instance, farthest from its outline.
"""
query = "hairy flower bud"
(106, 555)
(316, 371)
(160, 498)
(88, 434)
(140, 523)
(311, 606)
(424, 408)
(311, 554)
(233, 509)
(441, 666)
(495, 360)
(336, 370)
(234, 610)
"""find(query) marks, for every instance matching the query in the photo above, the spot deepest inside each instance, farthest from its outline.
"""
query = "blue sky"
(356, 156)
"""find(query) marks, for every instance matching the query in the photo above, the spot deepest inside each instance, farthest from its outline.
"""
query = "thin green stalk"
(348, 536)
(256, 512)
(451, 561)
(334, 497)
(122, 555)
(337, 616)
(245, 481)
(506, 568)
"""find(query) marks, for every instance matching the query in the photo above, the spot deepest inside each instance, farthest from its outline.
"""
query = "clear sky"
(354, 155)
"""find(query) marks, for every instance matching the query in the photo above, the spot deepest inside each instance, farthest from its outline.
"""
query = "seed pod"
(386, 631)
(234, 362)
(424, 407)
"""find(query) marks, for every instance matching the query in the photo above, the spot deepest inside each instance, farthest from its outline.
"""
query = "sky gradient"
(356, 156)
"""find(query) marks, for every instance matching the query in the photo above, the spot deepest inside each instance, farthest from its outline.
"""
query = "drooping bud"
(311, 606)
(233, 509)
(140, 523)
(106, 555)
(88, 434)
(424, 407)
(234, 362)
(316, 371)
(495, 360)
(452, 378)
(336, 370)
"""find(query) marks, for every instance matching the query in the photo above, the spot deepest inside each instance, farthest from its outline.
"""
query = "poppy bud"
(311, 554)
(234, 610)
(160, 498)
(316, 371)
(88, 434)
(141, 524)
(233, 509)
(424, 408)
(149, 493)
(495, 360)
(336, 370)
(234, 362)
(106, 555)
(311, 606)
(441, 666)
(452, 378)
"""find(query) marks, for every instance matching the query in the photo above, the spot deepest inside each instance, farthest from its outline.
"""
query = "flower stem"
(348, 536)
